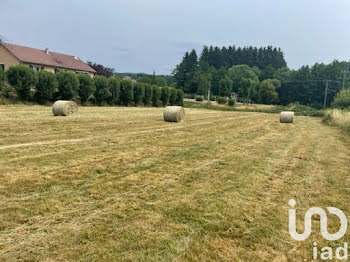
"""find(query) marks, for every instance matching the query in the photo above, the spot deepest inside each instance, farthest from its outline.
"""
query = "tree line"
(259, 75)
(43, 87)
(308, 85)
(159, 80)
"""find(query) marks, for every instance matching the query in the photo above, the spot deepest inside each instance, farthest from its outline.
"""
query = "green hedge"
(164, 96)
(126, 92)
(179, 97)
(172, 96)
(86, 87)
(114, 88)
(45, 86)
(102, 93)
(139, 92)
(147, 99)
(22, 78)
(156, 92)
(2, 78)
(68, 85)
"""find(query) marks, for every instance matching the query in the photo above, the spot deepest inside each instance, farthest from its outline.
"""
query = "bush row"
(43, 87)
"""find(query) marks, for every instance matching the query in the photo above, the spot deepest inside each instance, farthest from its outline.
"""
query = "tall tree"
(238, 72)
(102, 70)
(225, 86)
(203, 85)
(267, 92)
(187, 73)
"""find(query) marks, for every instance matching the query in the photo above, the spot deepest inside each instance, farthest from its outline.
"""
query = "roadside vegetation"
(339, 118)
(340, 115)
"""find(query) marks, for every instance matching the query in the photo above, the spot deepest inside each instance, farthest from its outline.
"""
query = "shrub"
(139, 92)
(68, 85)
(2, 78)
(156, 92)
(8, 92)
(199, 98)
(179, 97)
(102, 92)
(189, 96)
(221, 100)
(172, 96)
(212, 97)
(147, 99)
(231, 102)
(22, 78)
(342, 99)
(86, 87)
(164, 96)
(114, 88)
(46, 86)
(126, 92)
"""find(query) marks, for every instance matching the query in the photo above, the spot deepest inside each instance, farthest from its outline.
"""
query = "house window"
(56, 70)
(2, 66)
(36, 68)
(81, 72)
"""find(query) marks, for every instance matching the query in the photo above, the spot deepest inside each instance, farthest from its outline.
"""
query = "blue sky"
(142, 36)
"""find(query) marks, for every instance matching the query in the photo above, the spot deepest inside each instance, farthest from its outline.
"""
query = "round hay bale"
(174, 113)
(64, 108)
(287, 117)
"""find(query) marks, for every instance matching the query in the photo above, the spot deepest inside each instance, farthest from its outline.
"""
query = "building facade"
(37, 59)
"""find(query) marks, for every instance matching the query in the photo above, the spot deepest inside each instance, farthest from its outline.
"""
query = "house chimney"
(46, 51)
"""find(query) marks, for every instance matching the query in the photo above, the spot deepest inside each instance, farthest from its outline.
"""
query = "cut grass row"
(135, 188)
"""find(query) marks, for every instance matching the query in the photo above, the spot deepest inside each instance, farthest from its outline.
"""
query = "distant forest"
(260, 75)
(158, 80)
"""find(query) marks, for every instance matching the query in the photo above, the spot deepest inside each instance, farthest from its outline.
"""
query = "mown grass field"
(120, 184)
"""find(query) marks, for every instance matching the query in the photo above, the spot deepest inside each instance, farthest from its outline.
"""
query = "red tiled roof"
(38, 56)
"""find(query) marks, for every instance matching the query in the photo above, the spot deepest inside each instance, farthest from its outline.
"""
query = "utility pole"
(325, 95)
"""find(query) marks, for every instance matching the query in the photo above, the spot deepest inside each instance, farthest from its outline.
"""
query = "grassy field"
(120, 184)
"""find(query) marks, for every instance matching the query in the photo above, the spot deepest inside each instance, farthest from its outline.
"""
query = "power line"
(314, 80)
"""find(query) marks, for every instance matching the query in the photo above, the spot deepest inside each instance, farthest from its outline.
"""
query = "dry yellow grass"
(120, 184)
(253, 106)
(340, 118)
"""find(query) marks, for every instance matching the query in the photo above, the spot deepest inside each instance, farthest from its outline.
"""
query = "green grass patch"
(300, 110)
